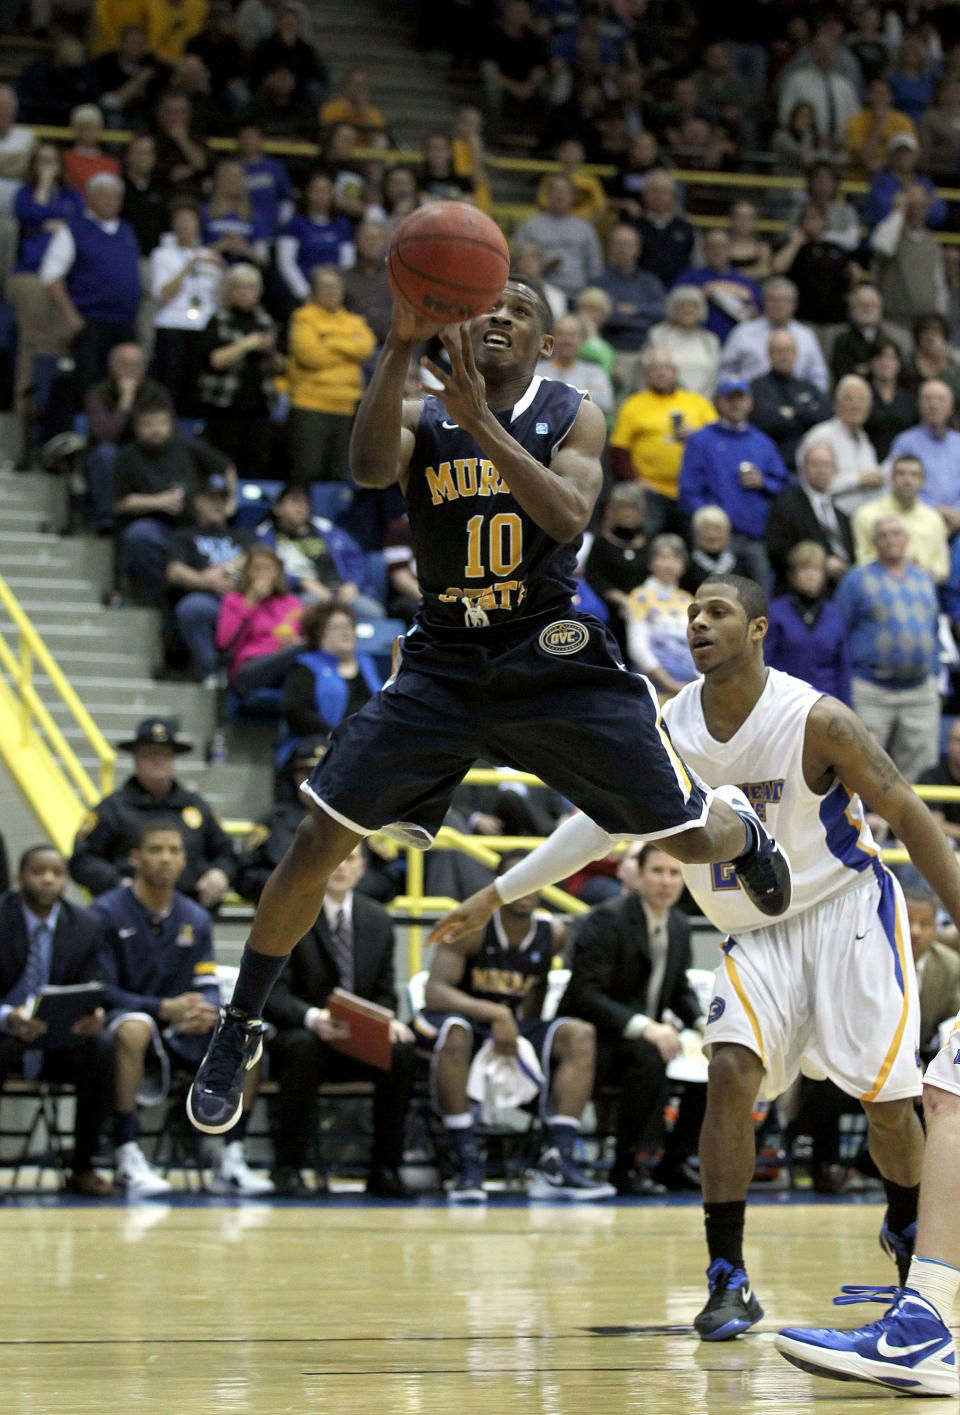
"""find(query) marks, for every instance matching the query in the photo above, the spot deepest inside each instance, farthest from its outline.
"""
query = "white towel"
(498, 1082)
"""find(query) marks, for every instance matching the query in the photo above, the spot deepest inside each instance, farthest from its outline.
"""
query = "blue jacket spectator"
(141, 964)
(42, 199)
(731, 296)
(950, 589)
(807, 635)
(322, 562)
(328, 682)
(314, 236)
(637, 295)
(938, 447)
(267, 179)
(228, 222)
(901, 172)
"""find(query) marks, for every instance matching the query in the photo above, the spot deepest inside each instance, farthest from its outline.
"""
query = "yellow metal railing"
(34, 718)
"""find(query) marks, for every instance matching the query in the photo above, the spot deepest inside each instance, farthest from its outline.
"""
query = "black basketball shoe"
(215, 1099)
(763, 870)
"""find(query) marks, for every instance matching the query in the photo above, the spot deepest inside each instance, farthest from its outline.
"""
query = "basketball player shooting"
(500, 472)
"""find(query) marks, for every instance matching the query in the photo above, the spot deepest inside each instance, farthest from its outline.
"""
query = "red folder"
(369, 1038)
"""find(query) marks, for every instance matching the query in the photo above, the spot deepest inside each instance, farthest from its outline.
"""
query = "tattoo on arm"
(845, 731)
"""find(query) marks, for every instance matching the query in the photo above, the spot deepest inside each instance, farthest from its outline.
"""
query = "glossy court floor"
(220, 1309)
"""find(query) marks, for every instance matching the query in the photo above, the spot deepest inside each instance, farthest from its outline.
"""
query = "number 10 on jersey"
(504, 545)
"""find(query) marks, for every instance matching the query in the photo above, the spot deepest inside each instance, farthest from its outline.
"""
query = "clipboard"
(369, 1024)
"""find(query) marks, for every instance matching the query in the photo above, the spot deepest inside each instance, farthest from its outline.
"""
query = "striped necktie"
(35, 976)
(341, 945)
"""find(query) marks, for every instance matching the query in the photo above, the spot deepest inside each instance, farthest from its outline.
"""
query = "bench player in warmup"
(830, 983)
(500, 473)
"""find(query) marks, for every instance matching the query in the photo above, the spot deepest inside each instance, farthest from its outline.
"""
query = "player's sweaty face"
(716, 626)
(509, 333)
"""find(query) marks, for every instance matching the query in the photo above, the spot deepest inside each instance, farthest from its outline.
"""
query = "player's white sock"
(936, 1281)
(459, 1122)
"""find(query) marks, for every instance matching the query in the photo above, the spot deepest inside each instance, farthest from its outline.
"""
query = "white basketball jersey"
(826, 838)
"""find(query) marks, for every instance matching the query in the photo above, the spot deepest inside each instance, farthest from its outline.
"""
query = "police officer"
(101, 852)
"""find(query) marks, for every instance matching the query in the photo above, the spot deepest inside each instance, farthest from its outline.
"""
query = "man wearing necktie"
(629, 966)
(351, 946)
(806, 512)
(47, 940)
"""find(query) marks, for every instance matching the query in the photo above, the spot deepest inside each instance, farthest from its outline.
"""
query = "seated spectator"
(203, 563)
(807, 635)
(228, 223)
(624, 190)
(86, 158)
(258, 627)
(913, 77)
(268, 182)
(158, 964)
(858, 476)
(314, 236)
(571, 251)
(797, 141)
(926, 532)
(749, 251)
(786, 407)
(946, 773)
(17, 145)
(329, 680)
(366, 288)
(398, 195)
(593, 307)
(352, 105)
(894, 407)
(513, 67)
(938, 970)
(351, 946)
(683, 335)
(108, 835)
(940, 133)
(328, 348)
(191, 77)
(566, 366)
(109, 19)
(822, 83)
(821, 271)
(323, 562)
(469, 153)
(286, 48)
(937, 446)
(628, 968)
(111, 408)
(732, 464)
(589, 198)
(855, 346)
(869, 131)
(732, 297)
(667, 239)
(346, 171)
(722, 93)
(400, 561)
(656, 617)
(637, 297)
(172, 24)
(185, 278)
(491, 986)
(710, 553)
(238, 360)
(932, 355)
(182, 159)
(144, 200)
(47, 940)
(273, 832)
(278, 111)
(651, 431)
(823, 188)
(912, 277)
(42, 204)
(225, 61)
(746, 353)
(807, 512)
(527, 260)
(438, 177)
(92, 270)
(617, 560)
(896, 178)
(155, 477)
(52, 87)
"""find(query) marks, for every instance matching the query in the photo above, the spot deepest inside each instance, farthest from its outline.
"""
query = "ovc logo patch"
(717, 1008)
(563, 637)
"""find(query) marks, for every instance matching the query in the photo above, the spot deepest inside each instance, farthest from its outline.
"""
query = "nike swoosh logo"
(863, 935)
(449, 426)
(746, 1294)
(896, 1353)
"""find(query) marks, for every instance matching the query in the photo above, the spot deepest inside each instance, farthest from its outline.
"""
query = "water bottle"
(217, 747)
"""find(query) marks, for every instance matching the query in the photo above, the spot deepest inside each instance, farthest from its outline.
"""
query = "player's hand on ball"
(472, 915)
(408, 326)
(464, 390)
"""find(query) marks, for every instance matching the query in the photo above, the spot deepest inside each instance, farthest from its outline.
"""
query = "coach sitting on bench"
(47, 940)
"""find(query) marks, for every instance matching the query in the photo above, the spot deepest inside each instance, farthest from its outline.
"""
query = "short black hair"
(45, 849)
(920, 894)
(751, 595)
(509, 859)
(544, 311)
(156, 824)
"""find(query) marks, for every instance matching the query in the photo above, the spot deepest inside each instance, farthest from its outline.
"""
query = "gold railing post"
(26, 678)
(415, 895)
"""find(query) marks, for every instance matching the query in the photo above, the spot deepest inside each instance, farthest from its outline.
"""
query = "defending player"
(500, 476)
(831, 983)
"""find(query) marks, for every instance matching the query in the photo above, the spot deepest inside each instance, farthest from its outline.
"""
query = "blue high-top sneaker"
(732, 1306)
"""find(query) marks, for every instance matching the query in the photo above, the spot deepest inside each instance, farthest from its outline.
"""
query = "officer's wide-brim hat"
(157, 732)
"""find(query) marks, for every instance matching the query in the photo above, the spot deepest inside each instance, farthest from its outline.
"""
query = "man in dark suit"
(46, 940)
(805, 511)
(350, 946)
(629, 966)
(938, 970)
(786, 407)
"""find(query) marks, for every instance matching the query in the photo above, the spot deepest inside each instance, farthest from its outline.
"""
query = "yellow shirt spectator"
(926, 530)
(327, 352)
(171, 24)
(868, 132)
(112, 16)
(589, 198)
(646, 428)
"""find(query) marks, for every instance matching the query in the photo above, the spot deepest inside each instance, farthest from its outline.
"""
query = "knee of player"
(132, 1036)
(940, 1107)
(890, 1115)
(457, 1045)
(576, 1038)
(734, 1072)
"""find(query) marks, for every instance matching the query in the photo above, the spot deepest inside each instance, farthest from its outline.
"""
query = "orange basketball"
(448, 260)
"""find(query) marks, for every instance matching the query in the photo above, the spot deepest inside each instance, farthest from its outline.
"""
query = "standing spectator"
(513, 67)
(218, 48)
(937, 446)
(172, 23)
(856, 345)
(625, 189)
(238, 359)
(843, 221)
(830, 94)
(926, 532)
(328, 347)
(821, 270)
(352, 105)
(112, 407)
(346, 171)
(869, 132)
(314, 236)
(912, 278)
(278, 112)
(629, 967)
(651, 431)
(329, 680)
(286, 48)
(940, 133)
(684, 336)
(351, 946)
(565, 364)
(86, 158)
(894, 407)
(182, 159)
(617, 561)
(108, 835)
(323, 563)
(899, 174)
(144, 199)
(807, 635)
(92, 270)
(110, 18)
(203, 562)
(667, 238)
(711, 553)
(657, 619)
(438, 177)
(16, 149)
(786, 407)
(258, 628)
(53, 86)
(746, 352)
(749, 251)
(47, 940)
(268, 181)
(571, 251)
(858, 476)
(946, 772)
(890, 609)
(637, 296)
(229, 227)
(732, 464)
(805, 513)
(732, 297)
(913, 77)
(366, 288)
(185, 281)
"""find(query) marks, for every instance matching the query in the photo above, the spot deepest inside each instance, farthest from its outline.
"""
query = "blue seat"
(330, 499)
(377, 637)
(375, 575)
(260, 705)
(254, 499)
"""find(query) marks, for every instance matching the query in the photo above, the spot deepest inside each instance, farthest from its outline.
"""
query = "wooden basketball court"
(215, 1308)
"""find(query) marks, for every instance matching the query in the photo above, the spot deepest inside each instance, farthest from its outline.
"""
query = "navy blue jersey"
(503, 972)
(480, 558)
(148, 957)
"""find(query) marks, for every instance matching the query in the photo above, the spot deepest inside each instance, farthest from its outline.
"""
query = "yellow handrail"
(20, 667)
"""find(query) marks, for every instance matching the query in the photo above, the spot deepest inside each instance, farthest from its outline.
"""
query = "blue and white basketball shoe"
(910, 1349)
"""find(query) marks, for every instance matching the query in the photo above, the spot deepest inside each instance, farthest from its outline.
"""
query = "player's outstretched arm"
(381, 442)
(571, 846)
(838, 742)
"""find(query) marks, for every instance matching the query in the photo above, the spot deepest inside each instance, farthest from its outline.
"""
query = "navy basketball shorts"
(548, 696)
